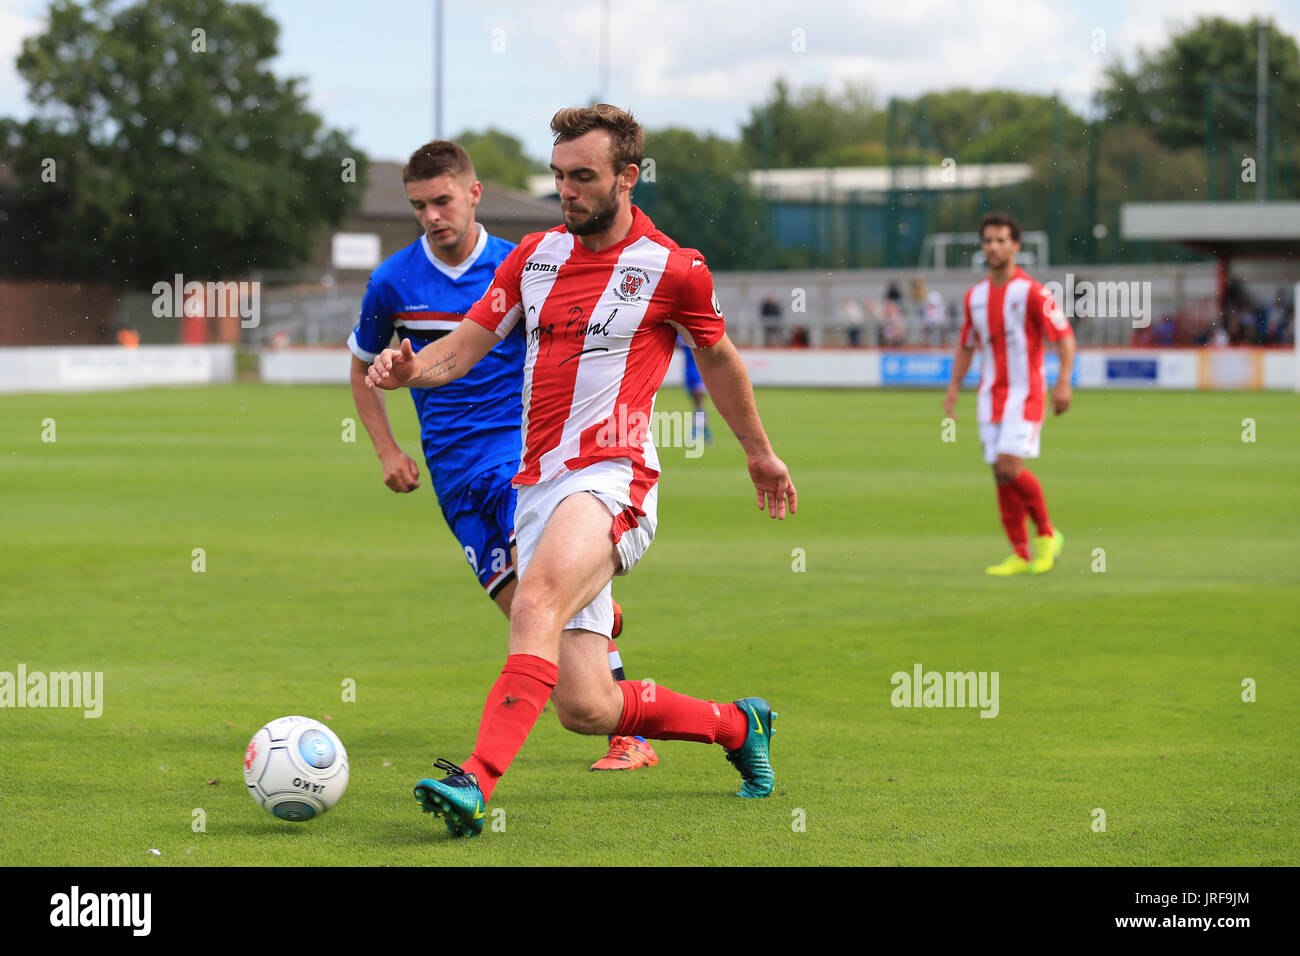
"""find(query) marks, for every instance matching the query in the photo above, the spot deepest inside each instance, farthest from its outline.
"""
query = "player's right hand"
(392, 368)
(773, 485)
(950, 401)
(401, 473)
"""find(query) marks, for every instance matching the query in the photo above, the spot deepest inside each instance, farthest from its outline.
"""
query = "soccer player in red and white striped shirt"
(1008, 317)
(603, 299)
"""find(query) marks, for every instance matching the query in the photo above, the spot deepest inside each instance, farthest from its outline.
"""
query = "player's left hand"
(773, 485)
(392, 368)
(1061, 397)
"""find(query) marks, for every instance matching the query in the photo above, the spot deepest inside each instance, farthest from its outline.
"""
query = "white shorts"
(610, 481)
(1011, 436)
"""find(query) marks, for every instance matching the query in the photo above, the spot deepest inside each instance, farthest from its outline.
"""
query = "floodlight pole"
(1261, 115)
(603, 95)
(437, 69)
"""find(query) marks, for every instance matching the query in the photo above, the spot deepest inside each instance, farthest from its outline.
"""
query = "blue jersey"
(472, 424)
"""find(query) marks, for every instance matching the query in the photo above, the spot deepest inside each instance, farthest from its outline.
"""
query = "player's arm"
(1044, 310)
(961, 360)
(960, 366)
(727, 380)
(488, 321)
(1062, 392)
(436, 364)
(401, 473)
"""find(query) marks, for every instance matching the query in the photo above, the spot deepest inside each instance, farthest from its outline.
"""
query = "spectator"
(873, 319)
(893, 330)
(1274, 318)
(799, 337)
(852, 316)
(770, 313)
(1241, 327)
(936, 318)
(917, 291)
(1163, 333)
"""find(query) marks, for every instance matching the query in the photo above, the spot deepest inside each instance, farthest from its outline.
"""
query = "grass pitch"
(1120, 690)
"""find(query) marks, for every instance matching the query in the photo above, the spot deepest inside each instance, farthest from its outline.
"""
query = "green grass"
(1119, 690)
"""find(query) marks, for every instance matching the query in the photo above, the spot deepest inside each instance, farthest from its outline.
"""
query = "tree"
(695, 190)
(1166, 89)
(163, 144)
(786, 132)
(500, 158)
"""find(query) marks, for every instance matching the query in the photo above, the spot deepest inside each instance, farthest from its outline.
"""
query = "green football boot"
(753, 758)
(1047, 548)
(456, 797)
(1014, 564)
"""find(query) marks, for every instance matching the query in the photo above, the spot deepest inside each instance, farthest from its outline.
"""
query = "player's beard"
(601, 217)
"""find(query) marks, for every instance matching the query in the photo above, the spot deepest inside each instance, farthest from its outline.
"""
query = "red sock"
(654, 711)
(1013, 519)
(1031, 496)
(512, 707)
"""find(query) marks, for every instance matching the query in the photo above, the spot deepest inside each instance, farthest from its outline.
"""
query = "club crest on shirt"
(629, 283)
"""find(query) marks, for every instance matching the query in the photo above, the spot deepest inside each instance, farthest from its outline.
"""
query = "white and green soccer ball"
(296, 768)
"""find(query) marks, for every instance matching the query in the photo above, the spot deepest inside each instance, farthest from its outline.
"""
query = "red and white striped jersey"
(1007, 324)
(600, 327)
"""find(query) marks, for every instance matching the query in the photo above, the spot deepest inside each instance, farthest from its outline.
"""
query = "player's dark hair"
(627, 139)
(438, 158)
(1000, 219)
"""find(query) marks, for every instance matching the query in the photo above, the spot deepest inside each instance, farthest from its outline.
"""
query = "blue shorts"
(482, 517)
(694, 384)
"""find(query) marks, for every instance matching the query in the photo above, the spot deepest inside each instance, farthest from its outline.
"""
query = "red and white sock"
(511, 710)
(1013, 518)
(654, 711)
(1031, 496)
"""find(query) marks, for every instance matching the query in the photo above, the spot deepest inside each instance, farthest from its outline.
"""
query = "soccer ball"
(296, 768)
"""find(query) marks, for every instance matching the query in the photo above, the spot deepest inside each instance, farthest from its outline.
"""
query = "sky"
(701, 64)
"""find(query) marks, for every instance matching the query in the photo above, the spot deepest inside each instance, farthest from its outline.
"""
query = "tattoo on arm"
(428, 377)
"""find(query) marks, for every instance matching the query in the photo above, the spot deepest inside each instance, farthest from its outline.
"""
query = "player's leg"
(585, 704)
(649, 709)
(1010, 508)
(623, 753)
(568, 558)
(573, 561)
(588, 688)
(505, 597)
(695, 388)
(1006, 468)
(1048, 542)
(475, 516)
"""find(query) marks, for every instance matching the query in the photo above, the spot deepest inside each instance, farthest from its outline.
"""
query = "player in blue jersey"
(696, 390)
(470, 430)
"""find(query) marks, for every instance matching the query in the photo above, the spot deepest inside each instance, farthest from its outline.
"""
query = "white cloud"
(15, 26)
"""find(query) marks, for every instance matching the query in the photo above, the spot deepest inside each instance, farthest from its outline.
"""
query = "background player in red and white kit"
(1008, 316)
(602, 300)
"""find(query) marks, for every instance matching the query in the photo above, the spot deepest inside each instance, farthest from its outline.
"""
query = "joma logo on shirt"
(541, 267)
